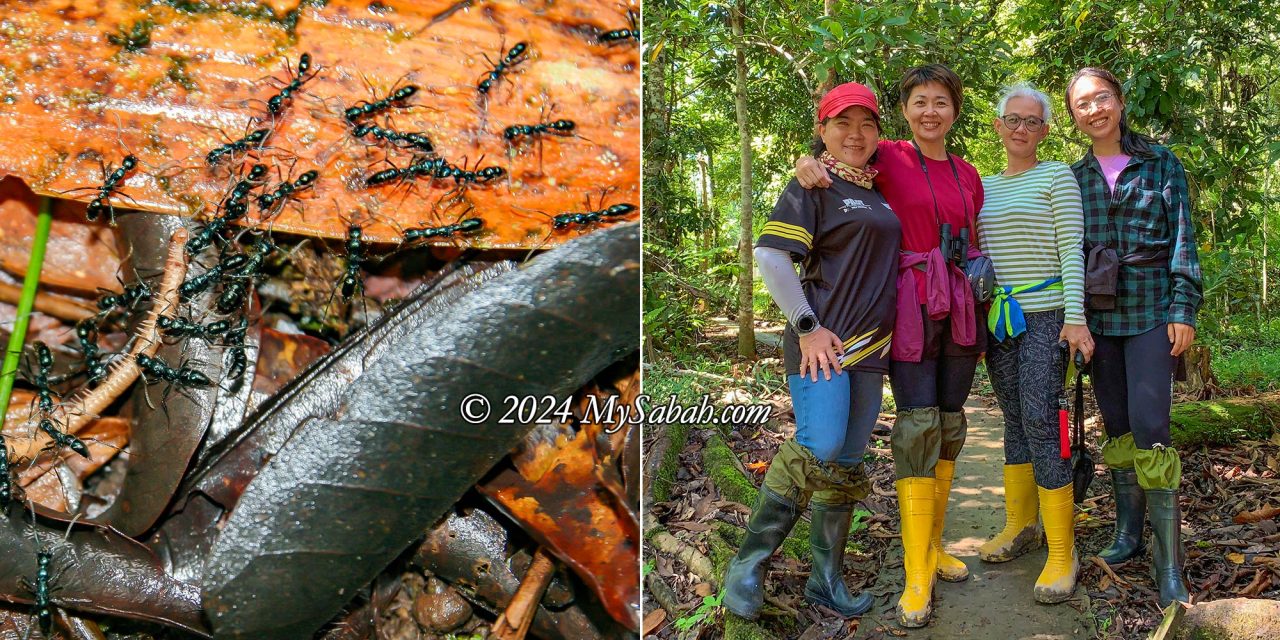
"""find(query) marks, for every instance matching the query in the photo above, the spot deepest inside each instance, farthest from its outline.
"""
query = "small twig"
(1103, 565)
(57, 306)
(514, 623)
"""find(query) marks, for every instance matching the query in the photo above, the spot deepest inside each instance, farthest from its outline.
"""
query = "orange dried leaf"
(76, 101)
(1265, 513)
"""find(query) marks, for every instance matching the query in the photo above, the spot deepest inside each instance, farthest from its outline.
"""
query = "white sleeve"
(783, 283)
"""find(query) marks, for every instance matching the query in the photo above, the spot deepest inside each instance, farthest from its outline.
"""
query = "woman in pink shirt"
(936, 340)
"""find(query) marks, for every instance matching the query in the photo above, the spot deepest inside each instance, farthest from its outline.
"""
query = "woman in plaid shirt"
(1143, 289)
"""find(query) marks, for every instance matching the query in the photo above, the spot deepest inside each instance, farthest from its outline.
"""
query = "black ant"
(87, 335)
(287, 189)
(44, 367)
(621, 35)
(126, 299)
(256, 137)
(181, 376)
(366, 109)
(559, 127)
(197, 284)
(184, 328)
(351, 282)
(7, 484)
(233, 207)
(480, 175)
(421, 166)
(588, 217)
(233, 294)
(42, 589)
(513, 57)
(62, 438)
(278, 102)
(111, 179)
(417, 141)
(469, 225)
(238, 362)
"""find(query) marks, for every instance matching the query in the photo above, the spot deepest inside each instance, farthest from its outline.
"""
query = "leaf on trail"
(652, 621)
(758, 467)
(703, 589)
(101, 571)
(345, 496)
(1236, 558)
(1265, 513)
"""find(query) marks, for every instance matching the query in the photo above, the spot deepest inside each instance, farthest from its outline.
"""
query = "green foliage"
(649, 566)
(1223, 422)
(1202, 76)
(705, 611)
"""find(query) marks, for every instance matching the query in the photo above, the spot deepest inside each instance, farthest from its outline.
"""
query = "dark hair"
(939, 73)
(1132, 143)
(817, 146)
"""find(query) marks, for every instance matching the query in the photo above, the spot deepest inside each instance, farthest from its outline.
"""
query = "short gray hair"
(1024, 90)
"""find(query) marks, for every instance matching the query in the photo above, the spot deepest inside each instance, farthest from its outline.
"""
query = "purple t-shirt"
(1111, 168)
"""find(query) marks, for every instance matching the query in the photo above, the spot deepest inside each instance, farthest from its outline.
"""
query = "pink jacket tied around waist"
(947, 292)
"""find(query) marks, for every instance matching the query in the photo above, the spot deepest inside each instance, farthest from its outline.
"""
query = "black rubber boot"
(828, 533)
(769, 525)
(1131, 511)
(1166, 553)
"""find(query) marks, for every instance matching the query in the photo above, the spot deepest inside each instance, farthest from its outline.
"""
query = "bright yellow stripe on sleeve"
(789, 231)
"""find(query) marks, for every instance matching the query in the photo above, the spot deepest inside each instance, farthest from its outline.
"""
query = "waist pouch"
(1102, 271)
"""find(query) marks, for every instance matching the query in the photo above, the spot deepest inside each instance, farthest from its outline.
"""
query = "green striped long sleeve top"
(1032, 227)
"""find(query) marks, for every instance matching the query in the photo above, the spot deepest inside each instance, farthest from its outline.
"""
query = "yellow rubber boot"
(916, 503)
(1021, 529)
(1058, 580)
(950, 568)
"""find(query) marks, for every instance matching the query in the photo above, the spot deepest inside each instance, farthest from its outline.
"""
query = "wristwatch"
(806, 324)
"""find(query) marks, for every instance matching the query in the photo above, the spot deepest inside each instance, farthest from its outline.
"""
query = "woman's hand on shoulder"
(1078, 338)
(820, 351)
(810, 173)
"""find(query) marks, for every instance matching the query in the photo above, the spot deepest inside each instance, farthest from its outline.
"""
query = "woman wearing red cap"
(936, 342)
(836, 345)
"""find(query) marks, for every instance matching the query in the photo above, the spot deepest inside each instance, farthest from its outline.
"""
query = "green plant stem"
(28, 300)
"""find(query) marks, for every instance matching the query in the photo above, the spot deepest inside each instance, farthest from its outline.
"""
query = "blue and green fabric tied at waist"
(1006, 320)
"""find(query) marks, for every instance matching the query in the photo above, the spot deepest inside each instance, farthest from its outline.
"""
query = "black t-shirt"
(847, 239)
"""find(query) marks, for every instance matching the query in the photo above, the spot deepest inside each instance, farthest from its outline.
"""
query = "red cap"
(849, 94)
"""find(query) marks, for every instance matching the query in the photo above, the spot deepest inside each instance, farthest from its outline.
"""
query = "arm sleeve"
(783, 283)
(1184, 264)
(1068, 228)
(793, 222)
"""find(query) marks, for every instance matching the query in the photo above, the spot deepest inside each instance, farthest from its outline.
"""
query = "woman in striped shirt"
(1031, 227)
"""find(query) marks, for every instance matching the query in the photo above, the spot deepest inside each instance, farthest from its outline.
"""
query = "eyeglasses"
(1032, 123)
(1099, 101)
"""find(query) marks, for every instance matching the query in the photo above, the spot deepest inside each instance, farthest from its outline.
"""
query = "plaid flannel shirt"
(1149, 211)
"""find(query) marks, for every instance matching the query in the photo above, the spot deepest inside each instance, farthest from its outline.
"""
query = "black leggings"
(1133, 381)
(942, 382)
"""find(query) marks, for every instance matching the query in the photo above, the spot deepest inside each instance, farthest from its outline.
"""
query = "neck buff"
(861, 177)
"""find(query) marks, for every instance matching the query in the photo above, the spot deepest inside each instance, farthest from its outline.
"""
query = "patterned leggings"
(1027, 373)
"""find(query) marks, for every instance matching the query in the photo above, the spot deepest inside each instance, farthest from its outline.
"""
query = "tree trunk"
(656, 125)
(746, 317)
(707, 220)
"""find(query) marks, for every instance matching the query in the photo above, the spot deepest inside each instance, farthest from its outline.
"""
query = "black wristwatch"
(806, 324)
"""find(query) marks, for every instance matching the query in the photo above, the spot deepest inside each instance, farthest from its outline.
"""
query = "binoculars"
(955, 249)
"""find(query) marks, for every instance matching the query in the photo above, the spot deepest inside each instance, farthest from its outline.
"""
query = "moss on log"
(1225, 420)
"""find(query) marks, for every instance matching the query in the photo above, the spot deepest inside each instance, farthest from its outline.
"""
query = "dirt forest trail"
(996, 602)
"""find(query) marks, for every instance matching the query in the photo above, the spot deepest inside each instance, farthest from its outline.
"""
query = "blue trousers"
(834, 417)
